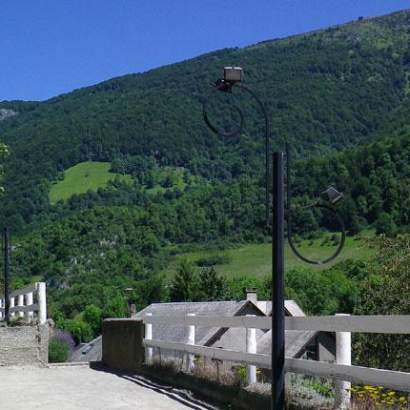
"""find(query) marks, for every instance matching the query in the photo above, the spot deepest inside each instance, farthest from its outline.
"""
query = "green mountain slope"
(340, 96)
(325, 90)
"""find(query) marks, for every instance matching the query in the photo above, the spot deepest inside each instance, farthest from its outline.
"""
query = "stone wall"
(24, 345)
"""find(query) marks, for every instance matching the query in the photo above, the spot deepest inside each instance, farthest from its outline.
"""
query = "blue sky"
(53, 46)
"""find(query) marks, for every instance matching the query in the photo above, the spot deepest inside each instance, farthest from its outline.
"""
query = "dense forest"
(327, 90)
(339, 98)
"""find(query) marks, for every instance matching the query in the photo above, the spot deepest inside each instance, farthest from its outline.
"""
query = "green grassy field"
(255, 259)
(83, 177)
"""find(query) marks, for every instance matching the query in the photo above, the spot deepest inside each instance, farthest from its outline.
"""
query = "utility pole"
(6, 243)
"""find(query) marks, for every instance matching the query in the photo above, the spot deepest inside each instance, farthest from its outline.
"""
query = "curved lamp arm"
(327, 207)
(225, 86)
(339, 247)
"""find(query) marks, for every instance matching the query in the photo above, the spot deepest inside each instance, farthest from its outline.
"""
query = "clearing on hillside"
(256, 259)
(83, 177)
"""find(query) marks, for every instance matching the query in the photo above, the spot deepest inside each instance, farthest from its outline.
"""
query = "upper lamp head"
(333, 195)
(233, 74)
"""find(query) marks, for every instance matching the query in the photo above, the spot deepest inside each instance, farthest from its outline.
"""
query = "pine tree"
(185, 286)
(213, 286)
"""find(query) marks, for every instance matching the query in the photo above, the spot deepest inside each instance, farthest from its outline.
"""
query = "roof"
(88, 352)
(295, 342)
(202, 334)
(291, 308)
(234, 338)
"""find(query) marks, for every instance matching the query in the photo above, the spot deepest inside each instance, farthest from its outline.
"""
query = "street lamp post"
(233, 77)
(278, 285)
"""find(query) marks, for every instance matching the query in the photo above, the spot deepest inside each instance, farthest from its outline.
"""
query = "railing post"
(20, 303)
(42, 303)
(343, 356)
(191, 341)
(250, 348)
(12, 314)
(148, 336)
(29, 302)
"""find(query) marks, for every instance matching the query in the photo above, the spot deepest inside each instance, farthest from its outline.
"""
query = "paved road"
(81, 388)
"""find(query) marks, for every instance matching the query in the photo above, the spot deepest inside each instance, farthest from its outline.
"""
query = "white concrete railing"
(31, 302)
(342, 325)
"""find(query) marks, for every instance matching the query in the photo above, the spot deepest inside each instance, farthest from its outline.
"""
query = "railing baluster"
(148, 336)
(250, 348)
(343, 356)
(29, 302)
(191, 341)
(12, 314)
(42, 302)
(20, 302)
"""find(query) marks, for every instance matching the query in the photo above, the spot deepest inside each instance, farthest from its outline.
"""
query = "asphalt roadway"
(82, 388)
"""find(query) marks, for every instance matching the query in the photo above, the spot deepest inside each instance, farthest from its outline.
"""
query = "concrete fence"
(28, 303)
(342, 325)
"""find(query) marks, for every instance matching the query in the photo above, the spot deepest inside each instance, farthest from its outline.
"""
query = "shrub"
(65, 337)
(58, 350)
(93, 317)
(372, 397)
(80, 330)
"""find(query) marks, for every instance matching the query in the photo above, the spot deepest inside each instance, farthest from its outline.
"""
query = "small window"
(311, 352)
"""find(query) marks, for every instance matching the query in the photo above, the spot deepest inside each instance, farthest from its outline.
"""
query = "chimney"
(133, 310)
(252, 295)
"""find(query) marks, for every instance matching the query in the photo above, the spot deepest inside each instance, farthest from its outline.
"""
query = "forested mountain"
(340, 97)
(375, 179)
(325, 90)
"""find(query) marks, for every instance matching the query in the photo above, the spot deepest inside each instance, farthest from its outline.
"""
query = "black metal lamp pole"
(233, 77)
(278, 288)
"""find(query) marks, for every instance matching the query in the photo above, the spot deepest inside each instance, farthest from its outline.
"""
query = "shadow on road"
(182, 396)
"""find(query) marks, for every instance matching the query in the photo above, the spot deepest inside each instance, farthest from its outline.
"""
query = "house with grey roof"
(307, 344)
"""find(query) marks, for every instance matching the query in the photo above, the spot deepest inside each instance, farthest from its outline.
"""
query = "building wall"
(24, 345)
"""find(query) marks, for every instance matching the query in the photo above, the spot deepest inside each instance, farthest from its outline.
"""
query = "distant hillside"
(339, 96)
(327, 90)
